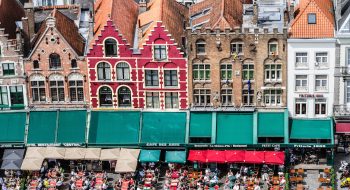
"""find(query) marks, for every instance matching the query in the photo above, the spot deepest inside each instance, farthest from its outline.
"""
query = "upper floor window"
(55, 61)
(322, 59)
(36, 64)
(347, 91)
(237, 47)
(38, 91)
(273, 72)
(201, 97)
(200, 46)
(3, 96)
(320, 106)
(300, 107)
(73, 64)
(152, 78)
(226, 96)
(111, 48)
(8, 69)
(105, 97)
(273, 47)
(170, 78)
(152, 99)
(226, 71)
(171, 100)
(311, 18)
(248, 71)
(123, 71)
(16, 95)
(301, 83)
(321, 83)
(301, 59)
(201, 71)
(124, 97)
(273, 97)
(348, 56)
(103, 71)
(57, 90)
(0, 50)
(160, 52)
(248, 97)
(76, 90)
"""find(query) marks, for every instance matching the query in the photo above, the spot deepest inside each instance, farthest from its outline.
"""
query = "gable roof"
(10, 12)
(219, 13)
(67, 29)
(172, 14)
(325, 22)
(344, 13)
(123, 13)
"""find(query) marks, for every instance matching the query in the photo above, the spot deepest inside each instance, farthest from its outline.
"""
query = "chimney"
(28, 25)
(19, 40)
(255, 13)
(142, 6)
(291, 11)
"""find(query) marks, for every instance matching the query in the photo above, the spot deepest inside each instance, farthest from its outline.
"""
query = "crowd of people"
(12, 180)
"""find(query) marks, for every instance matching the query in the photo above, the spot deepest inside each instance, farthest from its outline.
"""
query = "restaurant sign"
(162, 144)
(310, 95)
(11, 145)
(57, 144)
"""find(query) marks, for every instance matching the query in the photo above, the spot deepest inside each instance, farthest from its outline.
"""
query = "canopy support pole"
(87, 128)
(286, 127)
(26, 128)
(188, 118)
(255, 128)
(213, 128)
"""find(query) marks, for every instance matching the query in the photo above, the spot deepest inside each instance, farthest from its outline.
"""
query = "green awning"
(114, 128)
(234, 128)
(175, 157)
(12, 127)
(200, 124)
(149, 156)
(42, 127)
(163, 127)
(71, 127)
(311, 129)
(271, 124)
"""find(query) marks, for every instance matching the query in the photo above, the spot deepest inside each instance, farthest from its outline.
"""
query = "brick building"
(231, 66)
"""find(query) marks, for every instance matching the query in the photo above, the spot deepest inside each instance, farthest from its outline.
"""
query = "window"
(111, 49)
(273, 97)
(348, 56)
(105, 96)
(0, 50)
(55, 61)
(3, 96)
(36, 64)
(76, 91)
(273, 48)
(301, 83)
(57, 91)
(152, 100)
(201, 97)
(200, 47)
(301, 59)
(103, 71)
(300, 107)
(226, 71)
(348, 91)
(248, 71)
(8, 69)
(49, 2)
(322, 59)
(320, 106)
(226, 97)
(38, 91)
(152, 78)
(170, 78)
(321, 83)
(123, 71)
(237, 47)
(248, 97)
(201, 71)
(311, 18)
(73, 64)
(124, 97)
(273, 72)
(171, 100)
(16, 94)
(160, 53)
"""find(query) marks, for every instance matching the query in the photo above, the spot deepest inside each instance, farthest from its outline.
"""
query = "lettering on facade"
(310, 95)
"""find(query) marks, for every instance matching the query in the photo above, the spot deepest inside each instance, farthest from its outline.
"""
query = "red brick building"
(138, 64)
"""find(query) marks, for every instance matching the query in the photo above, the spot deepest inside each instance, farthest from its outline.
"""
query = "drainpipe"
(255, 127)
(213, 128)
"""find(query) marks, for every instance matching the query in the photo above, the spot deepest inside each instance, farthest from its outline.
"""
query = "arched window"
(201, 71)
(103, 71)
(35, 64)
(248, 71)
(200, 46)
(124, 97)
(73, 63)
(123, 71)
(111, 48)
(55, 61)
(105, 96)
(273, 71)
(273, 47)
(226, 71)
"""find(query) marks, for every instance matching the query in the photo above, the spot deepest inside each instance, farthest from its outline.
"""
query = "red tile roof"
(123, 13)
(325, 23)
(10, 11)
(222, 14)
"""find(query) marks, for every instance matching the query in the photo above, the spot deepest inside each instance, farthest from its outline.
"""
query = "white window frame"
(166, 53)
(323, 87)
(206, 96)
(319, 102)
(248, 70)
(322, 63)
(301, 87)
(272, 95)
(301, 63)
(206, 67)
(347, 91)
(269, 46)
(276, 71)
(300, 101)
(226, 95)
(236, 45)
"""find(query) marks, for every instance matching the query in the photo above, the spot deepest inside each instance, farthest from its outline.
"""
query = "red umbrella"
(216, 156)
(198, 155)
(274, 157)
(234, 156)
(254, 157)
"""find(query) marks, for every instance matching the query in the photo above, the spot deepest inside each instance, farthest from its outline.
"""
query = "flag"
(249, 86)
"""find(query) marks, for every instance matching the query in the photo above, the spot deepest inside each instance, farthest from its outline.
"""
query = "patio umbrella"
(216, 156)
(93, 154)
(254, 157)
(110, 154)
(75, 154)
(13, 154)
(274, 157)
(234, 156)
(125, 166)
(32, 164)
(36, 152)
(149, 156)
(175, 157)
(197, 155)
(55, 153)
(11, 164)
(129, 154)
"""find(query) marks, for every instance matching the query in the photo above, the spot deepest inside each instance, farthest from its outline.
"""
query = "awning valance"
(201, 124)
(149, 155)
(254, 157)
(271, 124)
(175, 157)
(12, 127)
(311, 129)
(93, 154)
(110, 154)
(32, 164)
(75, 154)
(217, 156)
(129, 154)
(342, 127)
(233, 156)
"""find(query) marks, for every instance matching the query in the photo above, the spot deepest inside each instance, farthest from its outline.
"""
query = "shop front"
(12, 126)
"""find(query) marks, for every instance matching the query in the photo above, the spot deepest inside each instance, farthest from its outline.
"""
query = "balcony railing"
(345, 71)
(301, 65)
(341, 110)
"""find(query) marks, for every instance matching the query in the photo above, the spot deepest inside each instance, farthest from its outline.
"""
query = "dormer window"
(55, 61)
(311, 18)
(73, 64)
(160, 52)
(111, 48)
(35, 64)
(200, 46)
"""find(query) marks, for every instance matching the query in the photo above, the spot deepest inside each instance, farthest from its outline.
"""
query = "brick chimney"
(28, 26)
(255, 13)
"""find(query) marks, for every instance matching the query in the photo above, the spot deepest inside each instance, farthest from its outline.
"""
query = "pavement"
(338, 158)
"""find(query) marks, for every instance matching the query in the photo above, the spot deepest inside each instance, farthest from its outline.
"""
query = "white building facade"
(311, 69)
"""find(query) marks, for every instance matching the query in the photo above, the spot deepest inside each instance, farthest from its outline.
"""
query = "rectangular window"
(76, 91)
(273, 48)
(160, 53)
(273, 72)
(170, 78)
(8, 69)
(301, 83)
(300, 107)
(321, 83)
(38, 91)
(16, 94)
(57, 91)
(200, 47)
(201, 72)
(4, 101)
(273, 97)
(152, 78)
(311, 18)
(322, 59)
(248, 97)
(348, 91)
(301, 59)
(201, 97)
(226, 71)
(226, 97)
(348, 56)
(171, 100)
(152, 100)
(320, 106)
(236, 48)
(248, 72)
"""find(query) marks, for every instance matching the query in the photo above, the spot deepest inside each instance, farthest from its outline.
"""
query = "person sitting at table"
(282, 182)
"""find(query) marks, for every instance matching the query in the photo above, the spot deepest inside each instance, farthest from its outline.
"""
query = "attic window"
(311, 18)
